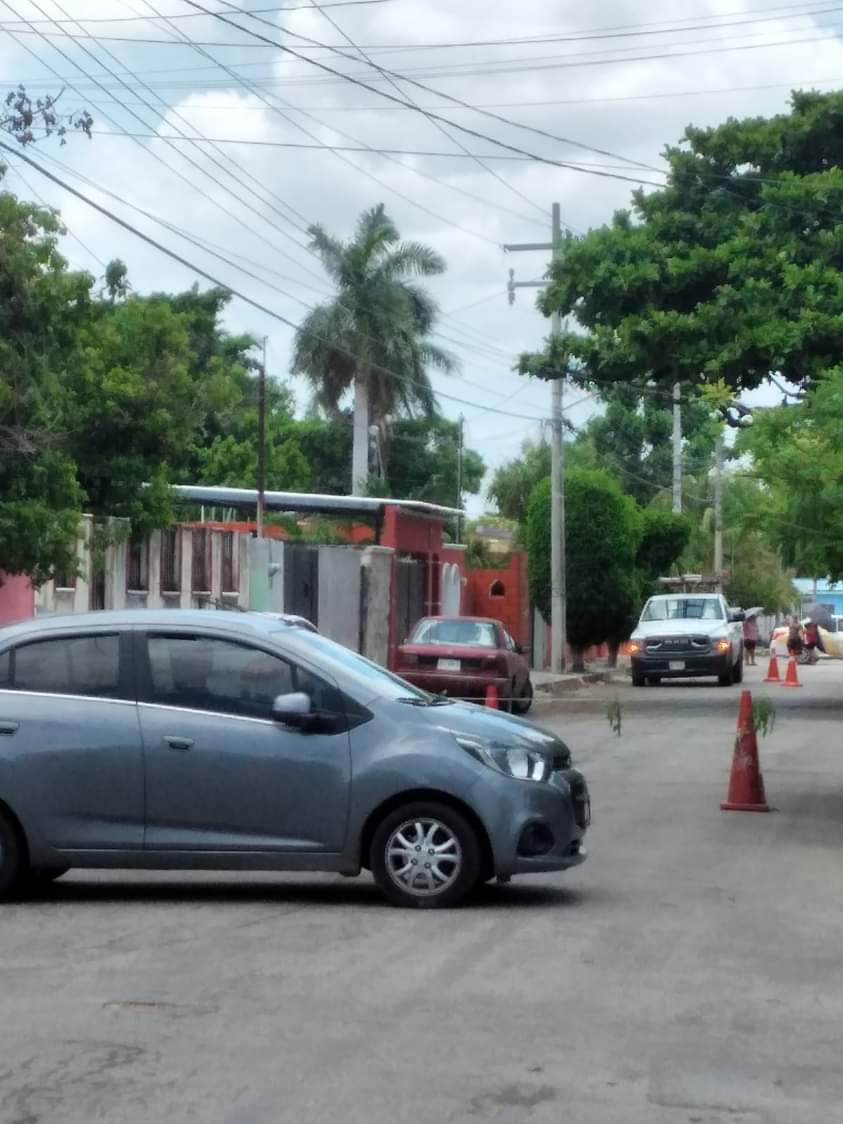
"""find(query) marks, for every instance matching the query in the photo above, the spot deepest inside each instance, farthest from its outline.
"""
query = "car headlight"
(517, 761)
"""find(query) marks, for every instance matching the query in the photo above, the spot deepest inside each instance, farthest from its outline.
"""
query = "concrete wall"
(352, 580)
(376, 599)
(502, 594)
(17, 599)
(339, 594)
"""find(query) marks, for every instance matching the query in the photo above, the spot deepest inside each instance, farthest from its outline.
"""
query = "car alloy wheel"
(423, 857)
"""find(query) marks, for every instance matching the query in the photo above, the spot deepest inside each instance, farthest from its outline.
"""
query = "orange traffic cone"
(791, 679)
(492, 696)
(773, 669)
(746, 785)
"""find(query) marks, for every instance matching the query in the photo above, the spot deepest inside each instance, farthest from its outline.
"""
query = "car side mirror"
(737, 618)
(294, 710)
(519, 648)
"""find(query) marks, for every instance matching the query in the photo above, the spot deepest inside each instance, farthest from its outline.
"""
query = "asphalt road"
(688, 972)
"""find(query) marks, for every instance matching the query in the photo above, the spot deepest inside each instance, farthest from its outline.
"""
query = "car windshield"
(369, 678)
(683, 608)
(463, 633)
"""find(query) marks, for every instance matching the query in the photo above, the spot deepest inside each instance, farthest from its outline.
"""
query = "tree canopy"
(375, 336)
(731, 271)
(603, 530)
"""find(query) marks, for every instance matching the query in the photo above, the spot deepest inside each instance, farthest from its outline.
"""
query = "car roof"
(696, 596)
(246, 624)
(457, 617)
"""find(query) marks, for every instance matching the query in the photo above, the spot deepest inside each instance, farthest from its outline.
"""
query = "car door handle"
(178, 743)
(9, 728)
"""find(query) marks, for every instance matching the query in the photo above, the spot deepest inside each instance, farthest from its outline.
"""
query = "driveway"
(688, 972)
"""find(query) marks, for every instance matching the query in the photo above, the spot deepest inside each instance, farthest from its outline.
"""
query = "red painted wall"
(17, 599)
(513, 608)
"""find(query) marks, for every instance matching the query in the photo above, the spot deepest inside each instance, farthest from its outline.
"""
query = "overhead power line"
(618, 31)
(195, 15)
(247, 204)
(204, 273)
(270, 100)
(437, 124)
(656, 95)
(462, 128)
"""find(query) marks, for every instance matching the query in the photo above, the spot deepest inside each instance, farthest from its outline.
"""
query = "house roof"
(307, 502)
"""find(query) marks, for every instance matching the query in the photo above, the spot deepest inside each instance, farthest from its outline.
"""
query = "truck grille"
(674, 644)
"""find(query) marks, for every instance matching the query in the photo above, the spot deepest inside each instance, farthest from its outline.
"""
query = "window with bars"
(137, 565)
(201, 579)
(230, 575)
(170, 561)
(64, 579)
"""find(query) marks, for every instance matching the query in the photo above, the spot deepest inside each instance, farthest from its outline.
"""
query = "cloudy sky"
(616, 76)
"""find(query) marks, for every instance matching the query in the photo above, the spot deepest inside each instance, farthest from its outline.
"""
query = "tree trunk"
(614, 645)
(578, 659)
(360, 446)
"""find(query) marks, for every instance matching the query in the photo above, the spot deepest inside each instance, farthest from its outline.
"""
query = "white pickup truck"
(687, 635)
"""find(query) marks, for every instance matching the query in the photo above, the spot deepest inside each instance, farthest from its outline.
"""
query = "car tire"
(728, 677)
(638, 681)
(737, 671)
(41, 878)
(12, 859)
(442, 827)
(523, 704)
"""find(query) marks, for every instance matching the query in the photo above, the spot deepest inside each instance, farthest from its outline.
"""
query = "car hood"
(644, 630)
(484, 722)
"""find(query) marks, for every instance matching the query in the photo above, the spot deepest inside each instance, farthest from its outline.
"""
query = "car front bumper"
(712, 663)
(534, 828)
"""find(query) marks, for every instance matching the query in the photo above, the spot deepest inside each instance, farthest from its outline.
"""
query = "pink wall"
(17, 599)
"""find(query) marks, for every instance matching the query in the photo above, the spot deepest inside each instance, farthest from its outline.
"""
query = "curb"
(563, 686)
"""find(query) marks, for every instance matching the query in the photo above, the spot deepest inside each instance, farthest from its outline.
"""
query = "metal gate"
(410, 600)
(301, 581)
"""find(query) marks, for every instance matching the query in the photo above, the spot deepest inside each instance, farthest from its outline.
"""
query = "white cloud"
(322, 188)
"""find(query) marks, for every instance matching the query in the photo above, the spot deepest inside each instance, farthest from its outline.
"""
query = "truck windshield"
(683, 608)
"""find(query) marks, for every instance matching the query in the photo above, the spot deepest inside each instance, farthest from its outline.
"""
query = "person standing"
(812, 639)
(794, 637)
(750, 640)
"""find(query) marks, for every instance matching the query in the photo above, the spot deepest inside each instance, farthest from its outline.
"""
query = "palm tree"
(374, 335)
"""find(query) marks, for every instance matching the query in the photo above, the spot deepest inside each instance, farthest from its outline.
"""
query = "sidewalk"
(551, 683)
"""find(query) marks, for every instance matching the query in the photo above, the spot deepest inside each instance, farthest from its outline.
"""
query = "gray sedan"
(209, 740)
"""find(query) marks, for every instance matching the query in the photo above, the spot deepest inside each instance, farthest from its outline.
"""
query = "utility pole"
(261, 441)
(718, 511)
(677, 448)
(558, 600)
(460, 441)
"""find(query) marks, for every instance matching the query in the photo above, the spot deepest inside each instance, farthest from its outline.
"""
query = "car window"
(5, 670)
(510, 643)
(71, 665)
(204, 673)
(472, 634)
(683, 608)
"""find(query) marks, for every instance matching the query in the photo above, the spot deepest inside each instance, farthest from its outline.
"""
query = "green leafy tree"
(374, 337)
(421, 462)
(603, 531)
(798, 454)
(664, 539)
(44, 308)
(514, 482)
(731, 271)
